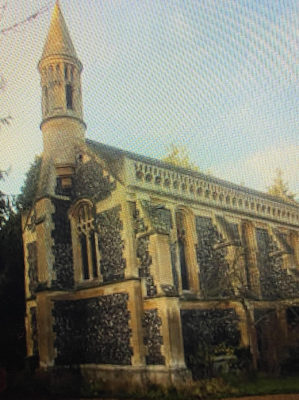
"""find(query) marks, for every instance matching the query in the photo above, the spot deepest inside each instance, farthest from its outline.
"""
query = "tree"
(26, 199)
(12, 296)
(280, 188)
(179, 157)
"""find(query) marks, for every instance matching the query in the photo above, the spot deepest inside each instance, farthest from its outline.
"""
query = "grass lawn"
(266, 385)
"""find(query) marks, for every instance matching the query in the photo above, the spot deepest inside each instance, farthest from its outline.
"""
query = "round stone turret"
(62, 125)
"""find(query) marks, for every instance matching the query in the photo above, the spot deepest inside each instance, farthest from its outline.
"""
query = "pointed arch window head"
(88, 242)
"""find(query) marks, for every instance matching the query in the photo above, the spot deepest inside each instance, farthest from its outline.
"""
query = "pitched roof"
(58, 41)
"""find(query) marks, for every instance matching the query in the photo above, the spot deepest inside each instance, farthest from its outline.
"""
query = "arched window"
(69, 97)
(181, 233)
(88, 241)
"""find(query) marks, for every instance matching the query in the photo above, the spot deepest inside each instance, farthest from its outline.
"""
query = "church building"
(133, 265)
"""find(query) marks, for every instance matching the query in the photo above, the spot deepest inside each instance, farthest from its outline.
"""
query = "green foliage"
(203, 362)
(280, 188)
(290, 365)
(214, 388)
(12, 303)
(266, 385)
(45, 384)
(28, 191)
(206, 339)
(5, 202)
(203, 389)
(179, 157)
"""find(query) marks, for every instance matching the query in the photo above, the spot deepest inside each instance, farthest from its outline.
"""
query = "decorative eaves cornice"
(210, 191)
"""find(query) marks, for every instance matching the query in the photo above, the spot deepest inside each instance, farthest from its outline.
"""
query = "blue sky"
(218, 76)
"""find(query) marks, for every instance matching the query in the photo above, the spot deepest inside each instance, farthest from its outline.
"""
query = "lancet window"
(88, 242)
(182, 248)
(69, 97)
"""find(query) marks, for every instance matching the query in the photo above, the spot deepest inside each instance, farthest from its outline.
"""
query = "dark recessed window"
(181, 231)
(88, 242)
(69, 97)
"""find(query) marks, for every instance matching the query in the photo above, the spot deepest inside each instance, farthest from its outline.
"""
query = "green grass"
(265, 385)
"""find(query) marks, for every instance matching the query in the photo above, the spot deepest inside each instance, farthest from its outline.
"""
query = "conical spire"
(58, 41)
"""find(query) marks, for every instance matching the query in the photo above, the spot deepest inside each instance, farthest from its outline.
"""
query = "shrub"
(290, 365)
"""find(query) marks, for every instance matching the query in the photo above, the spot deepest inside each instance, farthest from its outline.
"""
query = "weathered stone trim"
(142, 253)
(175, 275)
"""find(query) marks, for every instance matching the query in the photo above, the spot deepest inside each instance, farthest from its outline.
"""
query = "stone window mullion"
(88, 243)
